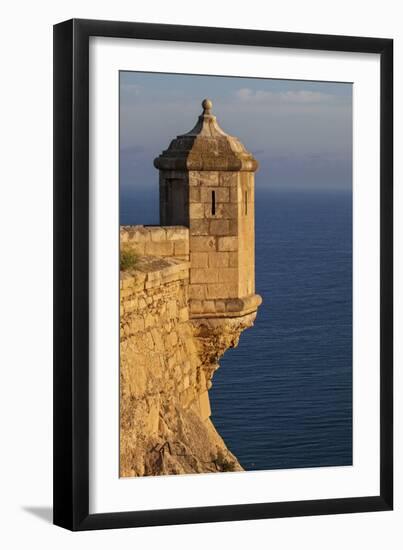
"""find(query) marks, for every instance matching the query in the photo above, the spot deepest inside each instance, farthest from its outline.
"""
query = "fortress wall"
(154, 333)
(153, 240)
(164, 405)
(214, 277)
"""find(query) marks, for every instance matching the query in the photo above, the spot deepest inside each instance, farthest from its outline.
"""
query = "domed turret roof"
(206, 147)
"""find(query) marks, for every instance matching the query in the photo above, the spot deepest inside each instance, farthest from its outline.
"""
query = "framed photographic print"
(223, 274)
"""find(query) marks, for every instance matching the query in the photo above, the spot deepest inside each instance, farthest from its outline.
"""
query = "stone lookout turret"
(207, 184)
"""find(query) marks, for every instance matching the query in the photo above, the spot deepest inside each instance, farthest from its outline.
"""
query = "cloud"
(303, 97)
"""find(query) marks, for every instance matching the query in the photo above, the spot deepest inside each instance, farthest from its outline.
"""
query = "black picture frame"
(71, 274)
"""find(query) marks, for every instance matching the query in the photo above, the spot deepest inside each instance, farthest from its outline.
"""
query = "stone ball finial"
(207, 105)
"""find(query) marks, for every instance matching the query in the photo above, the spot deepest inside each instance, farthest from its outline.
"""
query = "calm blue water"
(283, 398)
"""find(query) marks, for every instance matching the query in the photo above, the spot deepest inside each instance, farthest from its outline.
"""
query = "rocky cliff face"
(167, 362)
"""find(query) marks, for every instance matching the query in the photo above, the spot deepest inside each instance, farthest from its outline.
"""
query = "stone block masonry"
(165, 374)
(221, 242)
(213, 276)
(152, 240)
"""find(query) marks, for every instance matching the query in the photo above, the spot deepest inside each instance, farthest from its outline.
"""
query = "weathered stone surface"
(204, 275)
(164, 406)
(206, 148)
(221, 290)
(219, 227)
(202, 244)
(228, 244)
(181, 248)
(221, 194)
(218, 259)
(214, 336)
(194, 194)
(196, 211)
(165, 248)
(199, 259)
(197, 292)
(156, 240)
(223, 307)
(199, 227)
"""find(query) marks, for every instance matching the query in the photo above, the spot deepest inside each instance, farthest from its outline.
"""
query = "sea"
(283, 398)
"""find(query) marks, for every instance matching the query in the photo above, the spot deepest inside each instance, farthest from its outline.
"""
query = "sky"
(299, 131)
